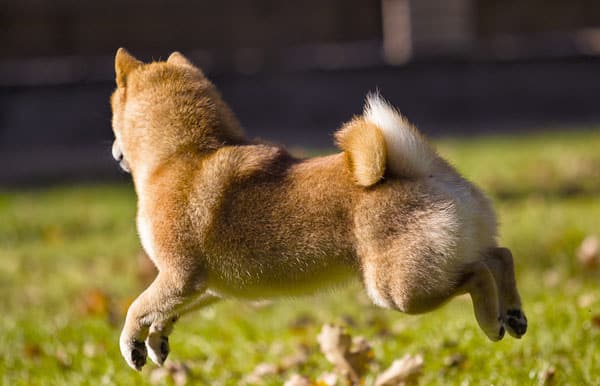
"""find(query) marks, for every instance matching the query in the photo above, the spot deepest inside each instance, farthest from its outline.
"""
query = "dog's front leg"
(159, 302)
(157, 342)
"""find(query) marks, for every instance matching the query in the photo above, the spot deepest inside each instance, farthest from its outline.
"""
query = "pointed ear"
(124, 64)
(178, 59)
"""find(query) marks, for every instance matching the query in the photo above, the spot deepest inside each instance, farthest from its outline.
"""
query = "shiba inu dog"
(221, 216)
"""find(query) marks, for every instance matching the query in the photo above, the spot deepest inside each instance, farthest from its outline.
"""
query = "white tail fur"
(408, 153)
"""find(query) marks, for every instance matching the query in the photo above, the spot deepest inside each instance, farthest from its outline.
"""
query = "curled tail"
(382, 140)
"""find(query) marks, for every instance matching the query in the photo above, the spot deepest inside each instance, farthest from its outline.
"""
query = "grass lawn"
(69, 266)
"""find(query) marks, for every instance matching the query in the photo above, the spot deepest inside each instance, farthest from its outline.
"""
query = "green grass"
(69, 266)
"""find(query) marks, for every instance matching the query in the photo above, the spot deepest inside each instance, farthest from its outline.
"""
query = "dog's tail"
(382, 140)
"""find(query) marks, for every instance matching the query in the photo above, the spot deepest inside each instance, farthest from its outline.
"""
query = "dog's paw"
(134, 352)
(158, 348)
(516, 323)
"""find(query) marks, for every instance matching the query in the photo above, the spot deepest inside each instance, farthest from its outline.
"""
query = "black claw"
(501, 332)
(138, 354)
(164, 347)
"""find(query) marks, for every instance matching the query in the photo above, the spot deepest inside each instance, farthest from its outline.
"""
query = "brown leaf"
(587, 300)
(260, 371)
(298, 380)
(90, 349)
(178, 372)
(302, 322)
(350, 357)
(294, 360)
(265, 369)
(455, 360)
(588, 252)
(552, 278)
(546, 377)
(596, 321)
(348, 320)
(402, 371)
(63, 359)
(449, 343)
(381, 324)
(95, 302)
(32, 350)
(327, 379)
(361, 355)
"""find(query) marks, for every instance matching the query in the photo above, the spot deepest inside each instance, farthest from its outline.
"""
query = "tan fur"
(365, 150)
(221, 216)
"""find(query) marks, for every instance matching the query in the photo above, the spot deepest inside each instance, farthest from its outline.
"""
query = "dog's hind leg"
(169, 291)
(481, 286)
(500, 262)
(157, 341)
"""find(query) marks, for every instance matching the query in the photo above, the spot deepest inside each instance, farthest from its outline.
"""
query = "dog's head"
(162, 109)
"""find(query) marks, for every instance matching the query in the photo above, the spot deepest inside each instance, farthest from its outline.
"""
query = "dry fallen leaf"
(264, 369)
(95, 302)
(587, 300)
(361, 355)
(381, 324)
(348, 320)
(449, 343)
(294, 360)
(177, 372)
(327, 379)
(32, 350)
(546, 377)
(63, 359)
(552, 278)
(286, 363)
(297, 380)
(350, 357)
(588, 252)
(455, 360)
(402, 371)
(260, 371)
(93, 349)
(301, 323)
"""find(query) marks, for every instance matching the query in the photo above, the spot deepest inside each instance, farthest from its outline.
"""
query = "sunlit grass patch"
(69, 267)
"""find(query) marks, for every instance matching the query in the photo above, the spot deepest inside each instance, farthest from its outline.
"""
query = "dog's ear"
(178, 59)
(124, 64)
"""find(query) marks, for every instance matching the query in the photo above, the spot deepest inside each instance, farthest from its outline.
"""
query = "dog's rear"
(438, 238)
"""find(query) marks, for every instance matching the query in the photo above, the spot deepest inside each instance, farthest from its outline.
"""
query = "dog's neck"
(147, 173)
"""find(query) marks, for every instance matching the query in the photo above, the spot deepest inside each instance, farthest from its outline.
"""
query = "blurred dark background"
(293, 71)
